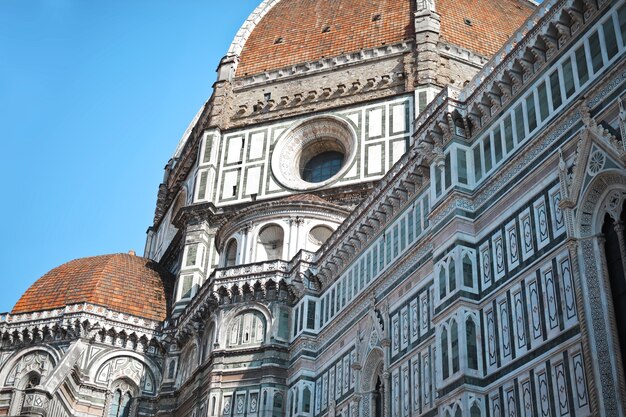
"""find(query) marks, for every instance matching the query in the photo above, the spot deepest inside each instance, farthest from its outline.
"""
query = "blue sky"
(94, 96)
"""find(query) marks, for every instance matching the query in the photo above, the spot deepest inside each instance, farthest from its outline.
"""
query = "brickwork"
(352, 26)
(489, 23)
(328, 28)
(121, 282)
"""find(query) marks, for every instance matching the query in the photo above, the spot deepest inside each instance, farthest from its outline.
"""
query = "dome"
(124, 283)
(282, 33)
(295, 31)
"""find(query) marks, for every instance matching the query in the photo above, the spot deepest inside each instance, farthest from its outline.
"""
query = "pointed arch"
(442, 283)
(454, 343)
(451, 274)
(471, 344)
(443, 346)
(468, 270)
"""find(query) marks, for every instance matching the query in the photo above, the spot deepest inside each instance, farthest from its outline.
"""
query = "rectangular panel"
(375, 123)
(256, 146)
(414, 317)
(415, 383)
(505, 334)
(568, 295)
(395, 393)
(230, 182)
(519, 321)
(234, 149)
(406, 391)
(395, 335)
(399, 118)
(512, 244)
(485, 264)
(404, 314)
(541, 223)
(398, 148)
(560, 385)
(551, 306)
(339, 377)
(498, 255)
(490, 337)
(253, 180)
(558, 220)
(375, 159)
(533, 295)
(528, 246)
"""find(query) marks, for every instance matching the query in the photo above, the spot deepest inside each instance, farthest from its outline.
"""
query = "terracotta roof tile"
(300, 26)
(121, 282)
(491, 23)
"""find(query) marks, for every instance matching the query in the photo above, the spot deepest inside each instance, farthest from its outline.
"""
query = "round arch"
(100, 359)
(222, 329)
(17, 356)
(231, 252)
(269, 242)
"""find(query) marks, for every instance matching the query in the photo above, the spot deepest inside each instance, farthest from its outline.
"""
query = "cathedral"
(386, 208)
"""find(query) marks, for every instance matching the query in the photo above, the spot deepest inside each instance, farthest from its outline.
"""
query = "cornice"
(330, 64)
(519, 62)
(83, 320)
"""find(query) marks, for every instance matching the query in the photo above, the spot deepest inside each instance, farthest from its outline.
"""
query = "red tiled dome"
(121, 282)
(296, 31)
(312, 29)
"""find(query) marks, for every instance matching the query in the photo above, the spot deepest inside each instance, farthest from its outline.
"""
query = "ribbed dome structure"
(297, 31)
(121, 282)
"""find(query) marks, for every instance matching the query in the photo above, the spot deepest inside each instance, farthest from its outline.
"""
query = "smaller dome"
(124, 283)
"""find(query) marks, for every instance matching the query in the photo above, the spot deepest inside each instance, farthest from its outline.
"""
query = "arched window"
(120, 404)
(231, 253)
(472, 350)
(277, 409)
(468, 274)
(247, 329)
(442, 283)
(452, 275)
(171, 370)
(317, 237)
(475, 411)
(445, 367)
(616, 271)
(458, 412)
(306, 400)
(270, 243)
(454, 341)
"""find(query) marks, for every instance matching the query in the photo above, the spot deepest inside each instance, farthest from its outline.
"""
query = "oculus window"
(322, 167)
(314, 153)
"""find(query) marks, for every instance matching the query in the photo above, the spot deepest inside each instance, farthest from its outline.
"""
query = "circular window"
(322, 166)
(314, 153)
